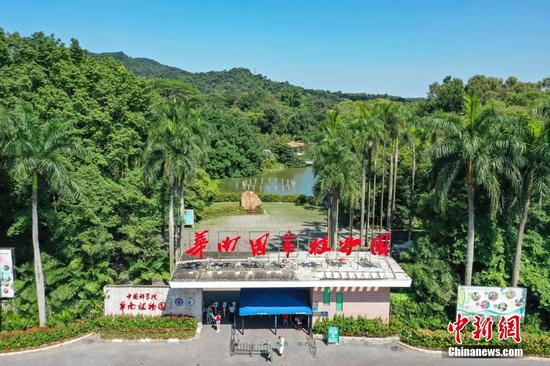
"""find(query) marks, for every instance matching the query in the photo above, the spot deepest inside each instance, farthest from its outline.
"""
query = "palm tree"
(386, 113)
(39, 152)
(412, 135)
(535, 173)
(366, 134)
(472, 147)
(332, 181)
(174, 151)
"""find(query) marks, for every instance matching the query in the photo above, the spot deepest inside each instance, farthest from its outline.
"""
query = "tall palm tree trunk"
(171, 228)
(390, 189)
(394, 195)
(38, 273)
(351, 209)
(471, 228)
(374, 188)
(382, 167)
(411, 198)
(181, 215)
(333, 235)
(368, 198)
(362, 219)
(521, 233)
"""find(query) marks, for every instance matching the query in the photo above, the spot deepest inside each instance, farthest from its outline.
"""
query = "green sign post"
(333, 335)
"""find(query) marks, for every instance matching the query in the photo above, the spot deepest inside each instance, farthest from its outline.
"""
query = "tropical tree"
(174, 151)
(472, 148)
(331, 154)
(367, 133)
(413, 133)
(535, 174)
(39, 152)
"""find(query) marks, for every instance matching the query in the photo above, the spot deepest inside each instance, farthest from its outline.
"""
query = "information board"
(333, 335)
(6, 273)
(491, 301)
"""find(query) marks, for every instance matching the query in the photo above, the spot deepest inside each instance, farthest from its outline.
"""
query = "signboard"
(6, 273)
(333, 335)
(152, 301)
(189, 218)
(324, 313)
(491, 301)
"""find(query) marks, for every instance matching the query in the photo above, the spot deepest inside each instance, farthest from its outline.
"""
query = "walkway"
(213, 349)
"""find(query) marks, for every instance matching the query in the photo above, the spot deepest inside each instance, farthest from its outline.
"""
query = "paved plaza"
(212, 348)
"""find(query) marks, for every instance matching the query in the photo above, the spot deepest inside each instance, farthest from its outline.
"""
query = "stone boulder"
(250, 201)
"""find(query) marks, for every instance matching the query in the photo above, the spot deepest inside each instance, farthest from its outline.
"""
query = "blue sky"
(391, 46)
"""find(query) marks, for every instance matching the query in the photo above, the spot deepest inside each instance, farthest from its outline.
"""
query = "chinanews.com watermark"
(483, 352)
(509, 328)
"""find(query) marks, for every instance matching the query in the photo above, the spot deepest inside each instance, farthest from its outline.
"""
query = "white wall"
(152, 301)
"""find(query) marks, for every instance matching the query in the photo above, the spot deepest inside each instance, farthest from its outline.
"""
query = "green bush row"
(535, 344)
(126, 327)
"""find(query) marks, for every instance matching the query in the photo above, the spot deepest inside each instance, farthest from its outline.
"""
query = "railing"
(237, 347)
(312, 345)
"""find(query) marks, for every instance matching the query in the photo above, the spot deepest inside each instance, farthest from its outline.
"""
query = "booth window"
(339, 301)
(326, 296)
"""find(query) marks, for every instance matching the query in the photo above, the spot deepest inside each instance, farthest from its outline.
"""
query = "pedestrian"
(285, 320)
(232, 313)
(218, 322)
(281, 346)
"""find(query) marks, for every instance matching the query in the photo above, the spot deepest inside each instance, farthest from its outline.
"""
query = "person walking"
(281, 346)
(218, 322)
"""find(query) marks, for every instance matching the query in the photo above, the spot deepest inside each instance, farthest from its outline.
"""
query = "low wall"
(152, 301)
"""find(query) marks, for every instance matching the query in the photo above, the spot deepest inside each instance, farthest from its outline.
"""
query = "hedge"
(36, 336)
(124, 327)
(535, 344)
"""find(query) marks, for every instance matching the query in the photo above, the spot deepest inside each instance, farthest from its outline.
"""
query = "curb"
(418, 349)
(373, 341)
(44, 348)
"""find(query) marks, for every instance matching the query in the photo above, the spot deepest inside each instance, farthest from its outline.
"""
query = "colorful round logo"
(190, 301)
(179, 301)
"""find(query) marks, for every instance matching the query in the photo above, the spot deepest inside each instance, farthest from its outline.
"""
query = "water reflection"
(285, 182)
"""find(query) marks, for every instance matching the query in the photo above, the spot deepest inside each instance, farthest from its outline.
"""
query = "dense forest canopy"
(115, 231)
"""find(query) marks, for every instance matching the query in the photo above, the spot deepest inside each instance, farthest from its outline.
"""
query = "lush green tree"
(39, 151)
(535, 173)
(175, 151)
(332, 182)
(472, 149)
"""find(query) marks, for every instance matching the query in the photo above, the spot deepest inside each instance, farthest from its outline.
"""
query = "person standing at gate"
(218, 322)
(285, 320)
(281, 346)
(232, 313)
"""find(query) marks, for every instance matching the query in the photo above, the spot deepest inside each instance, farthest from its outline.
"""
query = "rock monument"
(250, 201)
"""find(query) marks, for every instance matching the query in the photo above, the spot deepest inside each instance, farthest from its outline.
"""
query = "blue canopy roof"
(274, 301)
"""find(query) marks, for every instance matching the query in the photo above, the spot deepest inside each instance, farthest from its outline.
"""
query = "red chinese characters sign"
(509, 327)
(141, 302)
(380, 245)
(258, 245)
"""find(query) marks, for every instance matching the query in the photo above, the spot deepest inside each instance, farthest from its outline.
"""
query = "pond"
(285, 181)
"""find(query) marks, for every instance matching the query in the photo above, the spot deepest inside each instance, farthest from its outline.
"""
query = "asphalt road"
(212, 349)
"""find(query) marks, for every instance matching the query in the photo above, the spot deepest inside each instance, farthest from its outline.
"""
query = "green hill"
(236, 80)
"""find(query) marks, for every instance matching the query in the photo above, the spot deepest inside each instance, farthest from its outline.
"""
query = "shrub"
(36, 337)
(127, 327)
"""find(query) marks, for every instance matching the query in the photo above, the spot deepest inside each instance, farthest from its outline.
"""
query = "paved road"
(212, 349)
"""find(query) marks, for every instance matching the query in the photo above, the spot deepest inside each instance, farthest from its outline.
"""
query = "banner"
(6, 273)
(491, 301)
